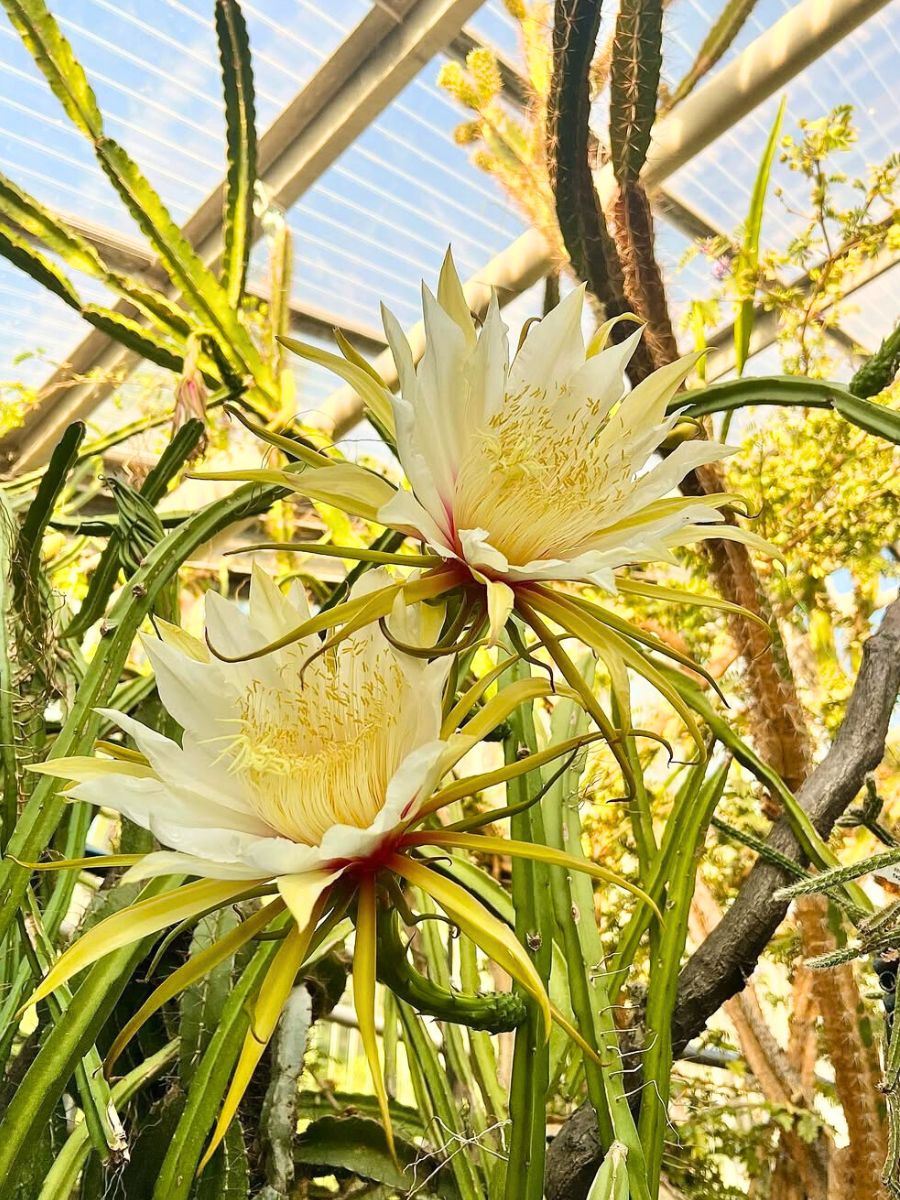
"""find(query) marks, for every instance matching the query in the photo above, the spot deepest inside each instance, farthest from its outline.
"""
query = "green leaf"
(592, 999)
(8, 681)
(407, 1120)
(58, 236)
(747, 266)
(689, 821)
(134, 336)
(356, 1146)
(530, 1079)
(106, 572)
(877, 419)
(723, 32)
(435, 1098)
(879, 370)
(210, 1081)
(53, 55)
(41, 508)
(185, 269)
(69, 1161)
(158, 308)
(172, 459)
(634, 84)
(64, 1044)
(240, 133)
(33, 263)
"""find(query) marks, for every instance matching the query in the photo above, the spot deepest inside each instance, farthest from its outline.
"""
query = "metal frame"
(802, 35)
(373, 63)
(131, 257)
(367, 70)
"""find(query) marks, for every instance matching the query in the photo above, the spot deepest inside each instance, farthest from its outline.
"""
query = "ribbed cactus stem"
(494, 1012)
(644, 286)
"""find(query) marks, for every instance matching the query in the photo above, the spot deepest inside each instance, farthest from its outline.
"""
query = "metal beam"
(795, 41)
(366, 71)
(804, 33)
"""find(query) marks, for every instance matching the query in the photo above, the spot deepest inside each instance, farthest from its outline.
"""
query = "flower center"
(322, 753)
(540, 488)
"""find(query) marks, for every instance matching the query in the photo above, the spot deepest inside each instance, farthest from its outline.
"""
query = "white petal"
(271, 611)
(402, 355)
(228, 627)
(172, 862)
(601, 381)
(422, 459)
(412, 782)
(272, 856)
(197, 694)
(180, 821)
(645, 406)
(403, 511)
(452, 299)
(206, 791)
(668, 474)
(488, 369)
(477, 551)
(441, 399)
(553, 349)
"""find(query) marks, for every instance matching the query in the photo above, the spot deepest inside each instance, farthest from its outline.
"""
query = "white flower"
(538, 469)
(535, 469)
(289, 764)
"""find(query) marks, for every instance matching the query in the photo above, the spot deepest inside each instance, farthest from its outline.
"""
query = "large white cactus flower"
(302, 775)
(293, 764)
(539, 468)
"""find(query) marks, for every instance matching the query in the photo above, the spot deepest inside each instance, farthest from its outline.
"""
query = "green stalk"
(9, 806)
(534, 929)
(68, 1164)
(100, 1118)
(431, 1086)
(496, 1012)
(815, 848)
(210, 1080)
(656, 881)
(484, 1060)
(692, 819)
(456, 1053)
(46, 1079)
(573, 901)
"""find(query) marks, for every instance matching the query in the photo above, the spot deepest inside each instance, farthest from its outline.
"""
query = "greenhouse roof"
(357, 143)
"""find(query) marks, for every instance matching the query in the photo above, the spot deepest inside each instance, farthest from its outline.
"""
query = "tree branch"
(722, 964)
